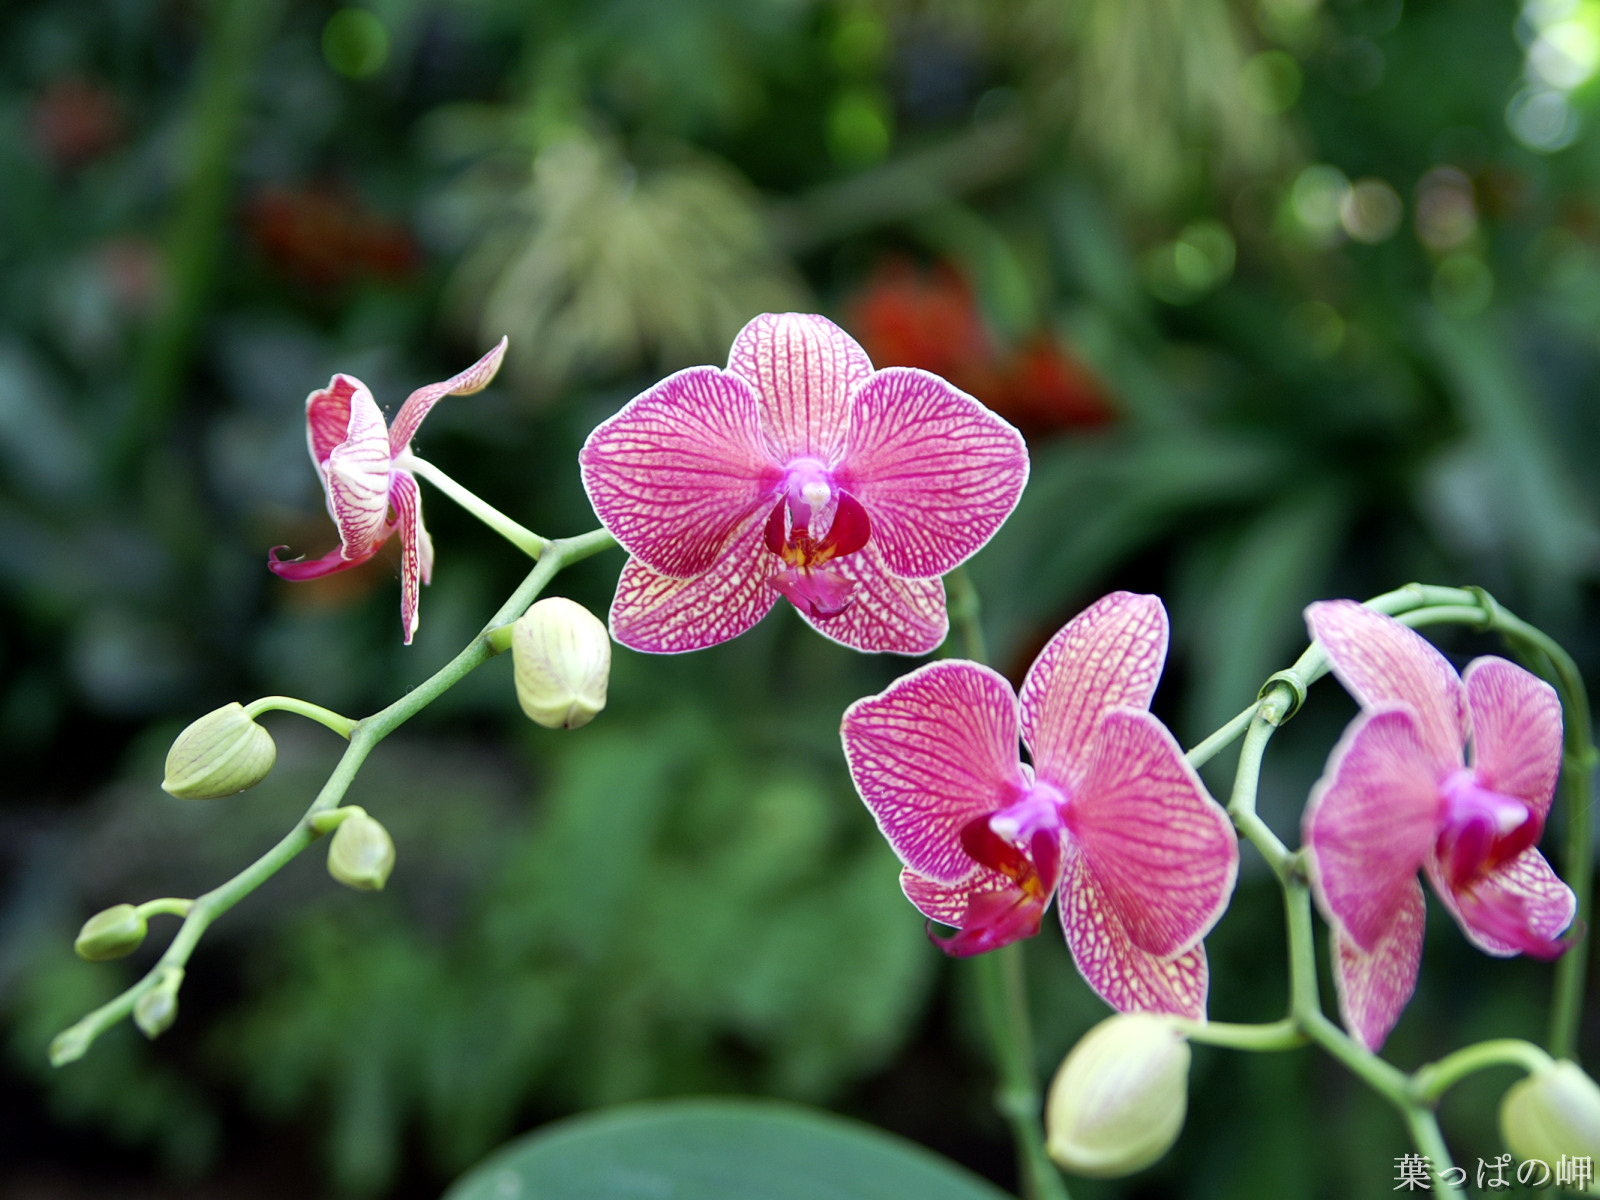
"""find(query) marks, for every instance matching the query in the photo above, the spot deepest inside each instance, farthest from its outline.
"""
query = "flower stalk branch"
(523, 538)
(72, 1043)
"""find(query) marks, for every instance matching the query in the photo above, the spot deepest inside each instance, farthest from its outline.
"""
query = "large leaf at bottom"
(716, 1150)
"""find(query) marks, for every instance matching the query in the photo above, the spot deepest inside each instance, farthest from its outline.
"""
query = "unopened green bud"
(562, 657)
(156, 1010)
(222, 753)
(361, 854)
(1118, 1101)
(117, 931)
(1554, 1112)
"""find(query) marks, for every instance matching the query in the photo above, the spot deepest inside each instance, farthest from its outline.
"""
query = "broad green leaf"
(716, 1150)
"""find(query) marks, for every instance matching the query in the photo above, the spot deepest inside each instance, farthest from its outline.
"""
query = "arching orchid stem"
(322, 716)
(1424, 1127)
(72, 1043)
(1219, 741)
(1276, 1035)
(170, 906)
(1432, 1080)
(1002, 986)
(522, 538)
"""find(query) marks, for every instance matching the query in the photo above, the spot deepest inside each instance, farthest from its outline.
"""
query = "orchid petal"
(936, 469)
(1374, 986)
(407, 499)
(989, 911)
(1371, 823)
(1110, 654)
(296, 570)
(1516, 731)
(1161, 852)
(933, 751)
(356, 477)
(889, 615)
(803, 369)
(328, 416)
(661, 614)
(474, 379)
(1126, 977)
(679, 469)
(1381, 662)
(1519, 907)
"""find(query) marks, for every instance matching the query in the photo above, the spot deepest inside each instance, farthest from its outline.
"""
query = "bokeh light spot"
(355, 43)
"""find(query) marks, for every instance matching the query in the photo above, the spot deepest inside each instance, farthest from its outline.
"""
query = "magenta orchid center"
(1479, 828)
(807, 490)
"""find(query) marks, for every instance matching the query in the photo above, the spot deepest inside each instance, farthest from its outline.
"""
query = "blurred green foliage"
(1294, 299)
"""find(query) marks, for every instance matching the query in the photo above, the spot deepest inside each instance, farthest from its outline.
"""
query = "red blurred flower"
(909, 317)
(75, 120)
(321, 237)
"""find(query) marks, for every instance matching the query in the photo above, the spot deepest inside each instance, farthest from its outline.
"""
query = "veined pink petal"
(1126, 977)
(1161, 852)
(328, 416)
(803, 368)
(661, 614)
(1516, 731)
(356, 476)
(679, 469)
(1371, 823)
(296, 570)
(1109, 654)
(889, 614)
(933, 751)
(407, 498)
(1373, 986)
(938, 472)
(1380, 662)
(1519, 907)
(474, 379)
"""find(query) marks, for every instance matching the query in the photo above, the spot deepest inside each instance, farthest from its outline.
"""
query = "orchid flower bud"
(361, 854)
(562, 658)
(1117, 1104)
(1553, 1113)
(117, 931)
(222, 753)
(156, 1010)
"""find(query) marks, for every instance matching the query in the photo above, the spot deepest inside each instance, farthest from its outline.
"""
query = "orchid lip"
(1041, 808)
(1479, 827)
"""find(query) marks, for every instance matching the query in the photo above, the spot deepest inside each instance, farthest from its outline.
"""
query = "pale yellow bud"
(156, 1010)
(222, 753)
(361, 854)
(117, 931)
(1118, 1101)
(562, 657)
(1555, 1111)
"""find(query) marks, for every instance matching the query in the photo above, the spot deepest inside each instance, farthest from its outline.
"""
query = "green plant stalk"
(518, 535)
(1431, 1081)
(1003, 988)
(341, 725)
(72, 1043)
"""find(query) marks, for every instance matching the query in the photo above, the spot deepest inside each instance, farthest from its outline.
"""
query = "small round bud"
(1118, 1101)
(562, 657)
(1552, 1113)
(361, 854)
(222, 753)
(156, 1010)
(117, 931)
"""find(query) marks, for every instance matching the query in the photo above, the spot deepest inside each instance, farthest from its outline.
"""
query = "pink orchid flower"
(363, 467)
(798, 471)
(1399, 795)
(1110, 816)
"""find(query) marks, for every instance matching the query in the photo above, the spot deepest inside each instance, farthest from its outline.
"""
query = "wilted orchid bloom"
(1398, 795)
(798, 471)
(1110, 816)
(370, 493)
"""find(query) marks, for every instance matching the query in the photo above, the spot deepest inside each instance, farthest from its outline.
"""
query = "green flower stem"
(1221, 739)
(75, 1041)
(330, 819)
(341, 725)
(500, 637)
(522, 538)
(171, 906)
(1003, 988)
(1003, 1000)
(1433, 1080)
(1424, 1127)
(1278, 1035)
